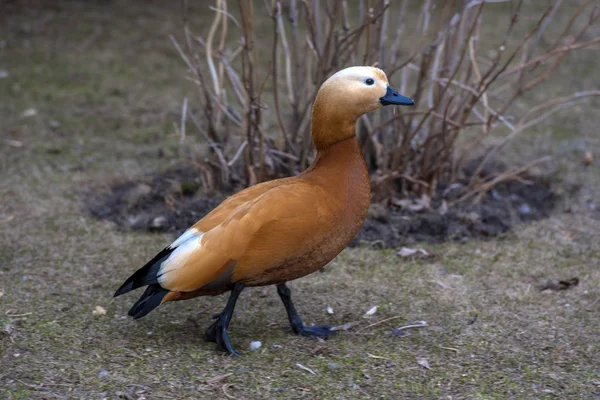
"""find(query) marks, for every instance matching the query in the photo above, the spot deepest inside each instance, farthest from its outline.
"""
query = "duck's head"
(347, 95)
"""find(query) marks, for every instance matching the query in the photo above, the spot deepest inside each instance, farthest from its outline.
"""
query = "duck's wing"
(265, 231)
(277, 223)
(227, 207)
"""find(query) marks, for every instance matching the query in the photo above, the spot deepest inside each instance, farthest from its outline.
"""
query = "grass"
(106, 73)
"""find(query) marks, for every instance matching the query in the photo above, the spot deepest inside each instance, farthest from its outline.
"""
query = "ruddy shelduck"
(280, 230)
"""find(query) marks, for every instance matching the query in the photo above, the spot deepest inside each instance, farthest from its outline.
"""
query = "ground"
(89, 94)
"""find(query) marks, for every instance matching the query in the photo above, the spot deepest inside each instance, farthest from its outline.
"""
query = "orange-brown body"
(323, 208)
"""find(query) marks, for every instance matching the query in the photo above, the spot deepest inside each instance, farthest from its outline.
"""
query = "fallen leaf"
(371, 311)
(443, 208)
(9, 330)
(408, 252)
(320, 351)
(450, 348)
(568, 235)
(99, 311)
(423, 362)
(401, 330)
(305, 368)
(398, 332)
(588, 158)
(560, 285)
(415, 205)
(344, 327)
(30, 112)
(14, 143)
(218, 379)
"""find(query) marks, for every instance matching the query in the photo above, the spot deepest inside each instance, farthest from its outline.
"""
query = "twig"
(507, 175)
(419, 324)
(183, 119)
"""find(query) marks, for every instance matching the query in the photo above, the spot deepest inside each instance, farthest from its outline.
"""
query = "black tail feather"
(151, 299)
(147, 275)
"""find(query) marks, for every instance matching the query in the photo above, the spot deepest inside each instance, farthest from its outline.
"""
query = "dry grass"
(115, 104)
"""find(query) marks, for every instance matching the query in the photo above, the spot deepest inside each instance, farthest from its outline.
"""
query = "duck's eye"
(369, 81)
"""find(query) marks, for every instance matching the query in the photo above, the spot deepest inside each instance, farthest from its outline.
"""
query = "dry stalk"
(444, 68)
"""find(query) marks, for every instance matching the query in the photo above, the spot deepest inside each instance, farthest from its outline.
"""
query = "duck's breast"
(329, 212)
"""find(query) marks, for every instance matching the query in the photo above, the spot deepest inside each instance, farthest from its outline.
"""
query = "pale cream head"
(347, 95)
(355, 90)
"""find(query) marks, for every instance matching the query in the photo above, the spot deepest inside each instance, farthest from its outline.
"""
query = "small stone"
(99, 310)
(496, 195)
(3, 74)
(54, 124)
(255, 345)
(333, 365)
(524, 209)
(103, 374)
(398, 332)
(158, 222)
(277, 346)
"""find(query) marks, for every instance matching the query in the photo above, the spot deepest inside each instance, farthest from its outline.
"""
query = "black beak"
(393, 97)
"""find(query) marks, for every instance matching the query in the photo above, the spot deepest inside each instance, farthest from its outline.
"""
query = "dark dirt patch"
(173, 200)
(169, 201)
(508, 204)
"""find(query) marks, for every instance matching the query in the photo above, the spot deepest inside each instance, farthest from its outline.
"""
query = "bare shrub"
(254, 111)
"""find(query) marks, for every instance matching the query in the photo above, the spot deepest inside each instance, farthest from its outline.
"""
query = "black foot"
(321, 331)
(298, 327)
(217, 332)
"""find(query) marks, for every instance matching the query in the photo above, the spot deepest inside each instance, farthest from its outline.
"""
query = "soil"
(173, 200)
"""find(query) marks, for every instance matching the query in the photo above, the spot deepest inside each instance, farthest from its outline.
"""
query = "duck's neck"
(342, 173)
(341, 169)
(330, 124)
(339, 166)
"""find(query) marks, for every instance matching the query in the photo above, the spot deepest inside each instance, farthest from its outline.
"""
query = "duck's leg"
(217, 332)
(295, 320)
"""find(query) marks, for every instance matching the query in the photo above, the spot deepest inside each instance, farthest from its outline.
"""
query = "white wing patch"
(185, 237)
(185, 245)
